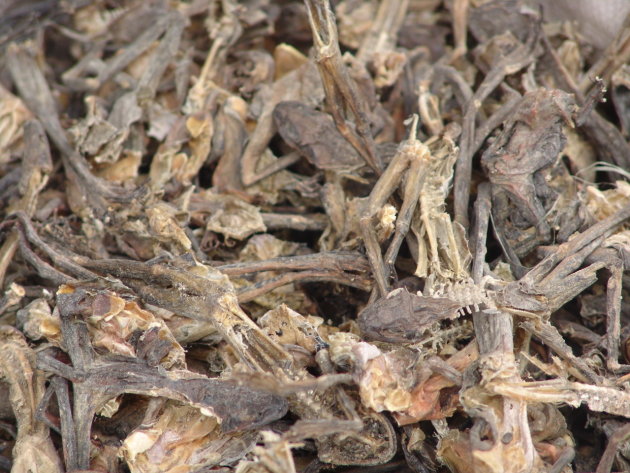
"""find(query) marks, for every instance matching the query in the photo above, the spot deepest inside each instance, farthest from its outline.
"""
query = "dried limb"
(412, 158)
(59, 259)
(463, 91)
(384, 30)
(332, 261)
(95, 381)
(550, 337)
(597, 398)
(341, 92)
(377, 49)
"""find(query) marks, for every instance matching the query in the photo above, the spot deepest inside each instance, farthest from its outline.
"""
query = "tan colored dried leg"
(340, 90)
(433, 245)
(381, 192)
(412, 157)
(415, 180)
(447, 252)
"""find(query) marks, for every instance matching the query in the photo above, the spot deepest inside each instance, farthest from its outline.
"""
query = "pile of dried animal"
(290, 236)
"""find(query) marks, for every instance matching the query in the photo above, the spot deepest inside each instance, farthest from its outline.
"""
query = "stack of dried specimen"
(292, 236)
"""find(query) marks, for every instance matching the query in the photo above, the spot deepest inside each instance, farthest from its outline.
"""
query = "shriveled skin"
(403, 317)
(529, 144)
(315, 136)
(238, 407)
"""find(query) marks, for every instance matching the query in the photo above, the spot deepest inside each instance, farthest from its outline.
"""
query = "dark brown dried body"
(404, 317)
(522, 162)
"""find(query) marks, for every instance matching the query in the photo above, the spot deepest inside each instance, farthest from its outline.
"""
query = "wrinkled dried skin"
(101, 136)
(182, 439)
(227, 215)
(145, 230)
(102, 379)
(39, 322)
(384, 378)
(438, 396)
(523, 155)
(405, 317)
(184, 152)
(115, 323)
(315, 136)
(290, 328)
(370, 438)
(406, 381)
(204, 293)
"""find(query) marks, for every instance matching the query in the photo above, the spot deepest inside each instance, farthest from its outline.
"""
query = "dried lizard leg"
(412, 156)
(61, 260)
(339, 88)
(378, 48)
(201, 294)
